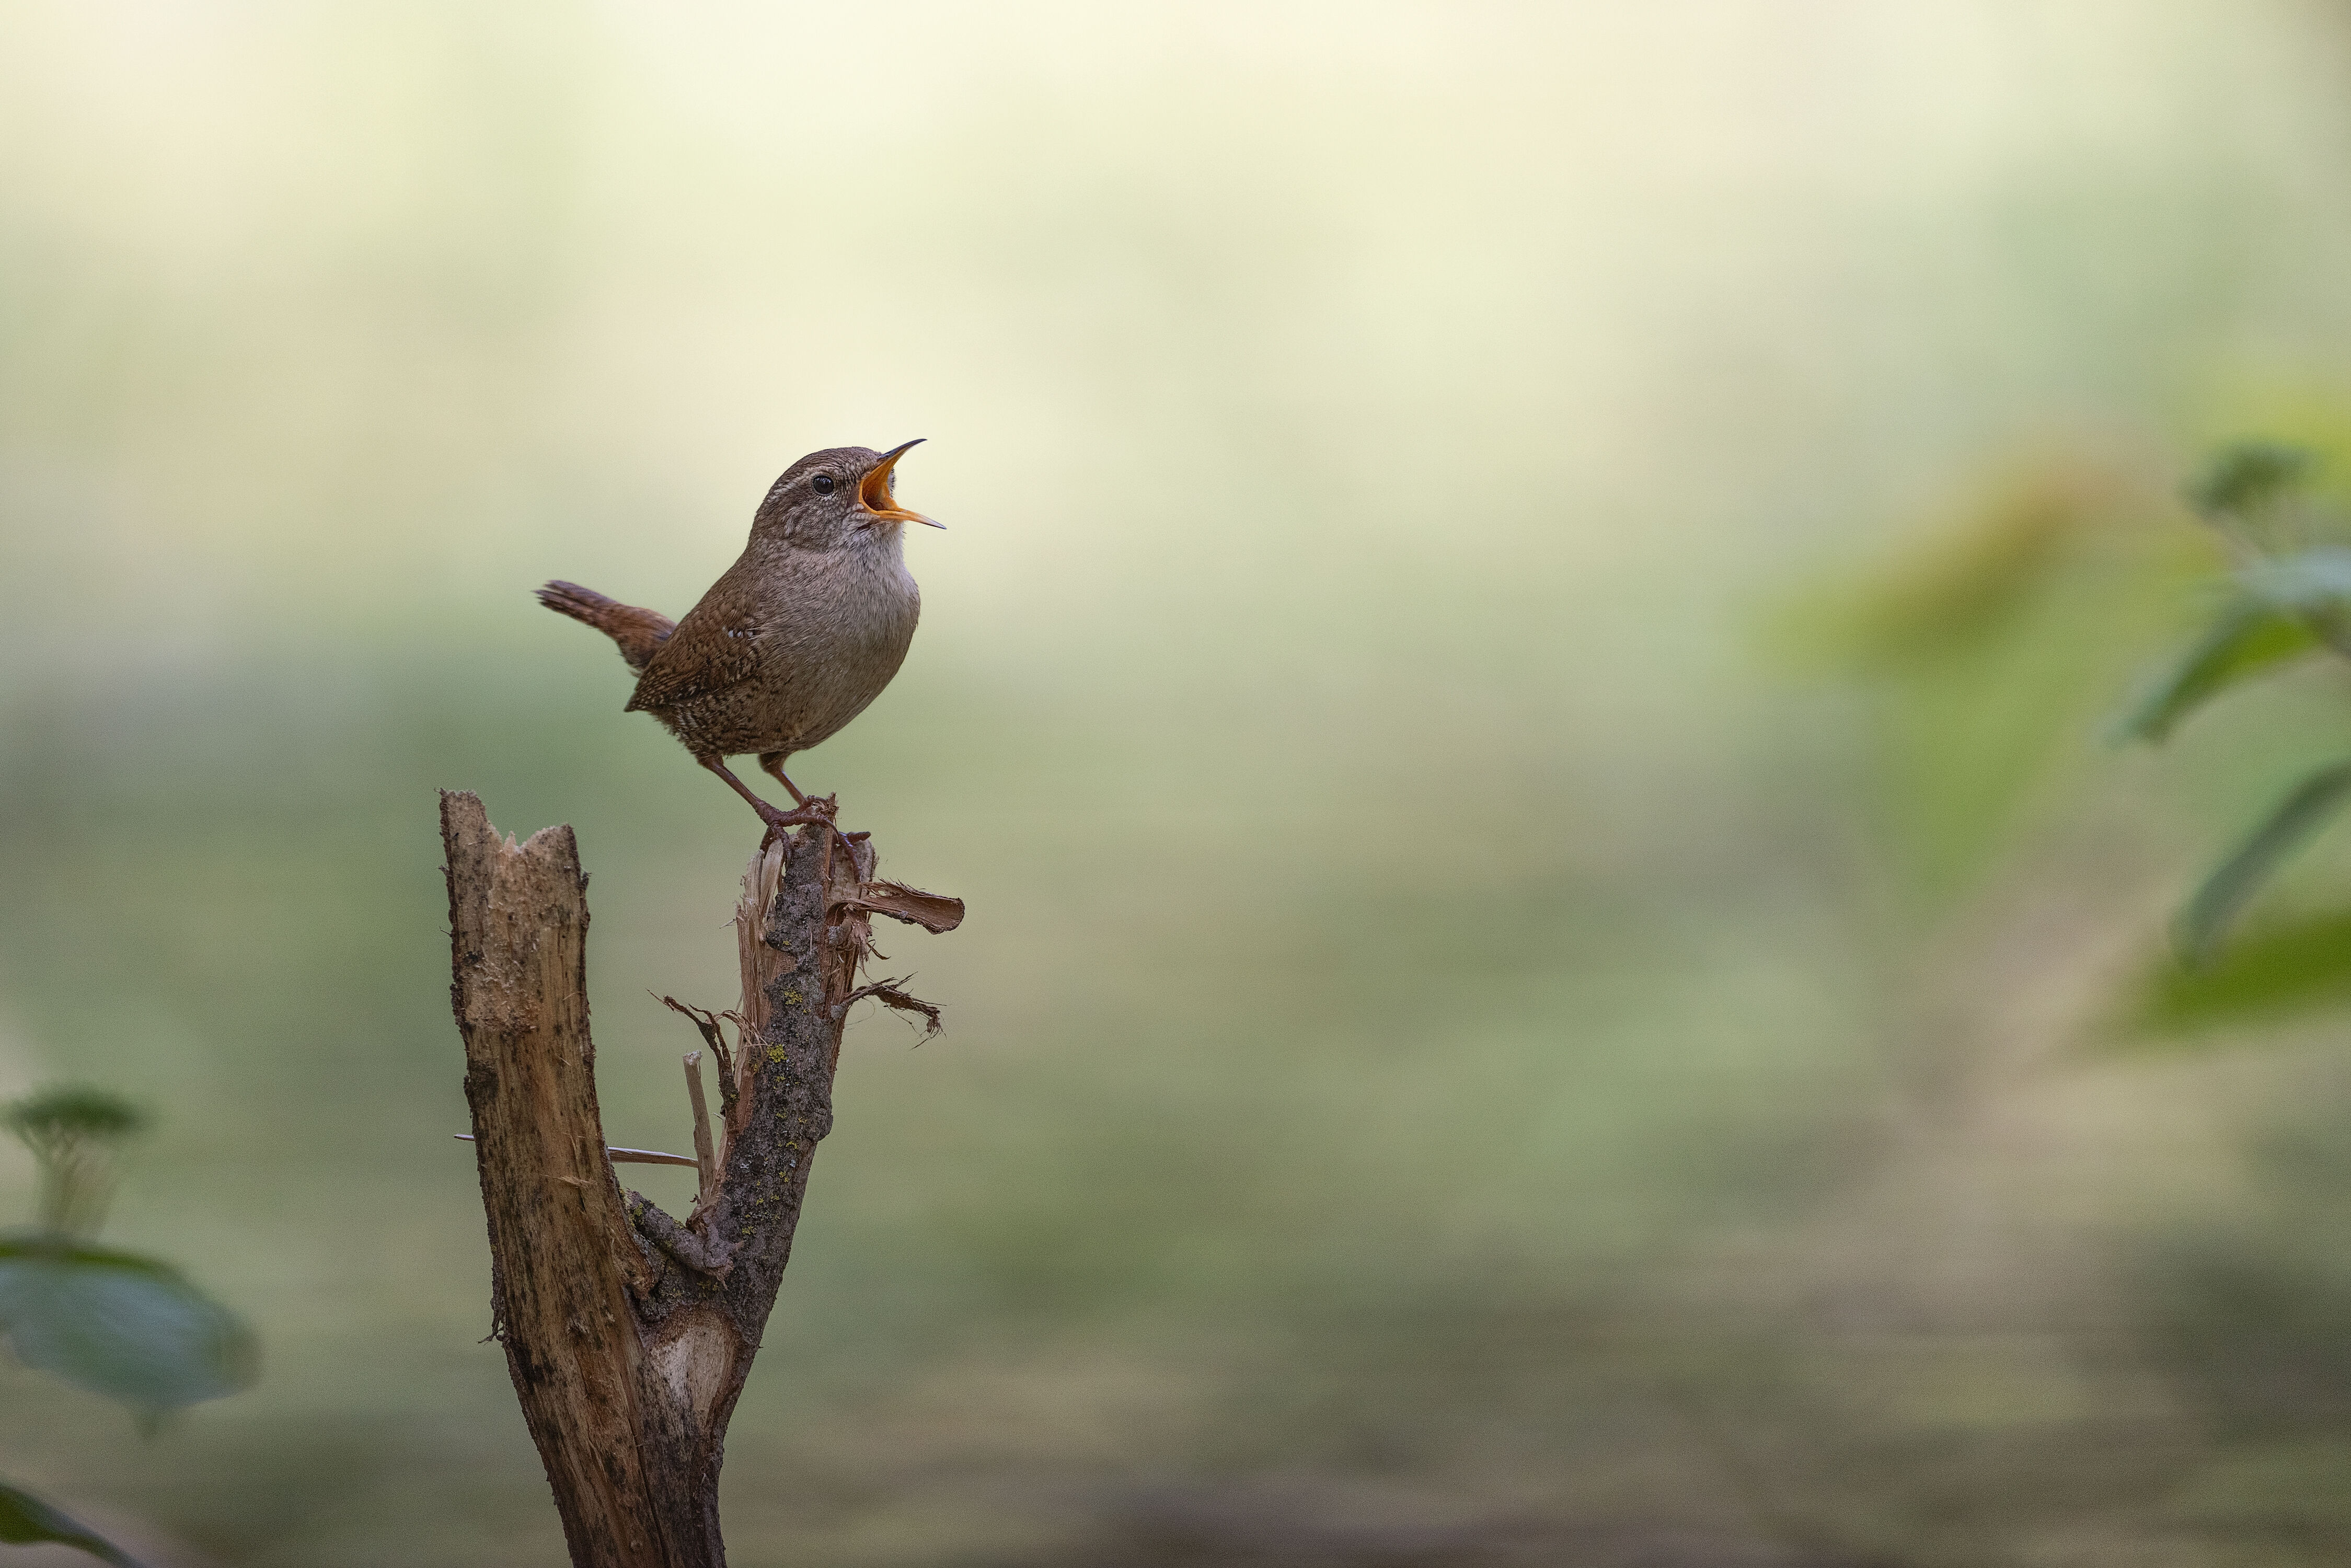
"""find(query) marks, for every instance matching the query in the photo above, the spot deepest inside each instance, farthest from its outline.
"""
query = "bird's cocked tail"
(639, 632)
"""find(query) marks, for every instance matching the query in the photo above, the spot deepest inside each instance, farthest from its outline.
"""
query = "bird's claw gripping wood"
(817, 814)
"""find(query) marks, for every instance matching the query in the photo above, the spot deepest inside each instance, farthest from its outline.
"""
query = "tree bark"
(629, 1333)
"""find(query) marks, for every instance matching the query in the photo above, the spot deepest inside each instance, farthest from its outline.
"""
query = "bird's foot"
(780, 820)
(815, 810)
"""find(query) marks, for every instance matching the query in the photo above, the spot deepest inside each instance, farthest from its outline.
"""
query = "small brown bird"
(795, 640)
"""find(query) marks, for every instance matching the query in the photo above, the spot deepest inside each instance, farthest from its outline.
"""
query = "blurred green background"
(1516, 684)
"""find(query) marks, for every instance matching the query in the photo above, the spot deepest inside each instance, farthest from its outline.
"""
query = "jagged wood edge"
(632, 1425)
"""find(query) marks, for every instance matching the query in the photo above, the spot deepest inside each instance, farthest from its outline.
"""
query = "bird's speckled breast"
(830, 629)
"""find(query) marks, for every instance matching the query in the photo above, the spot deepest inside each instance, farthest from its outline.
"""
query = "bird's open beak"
(874, 490)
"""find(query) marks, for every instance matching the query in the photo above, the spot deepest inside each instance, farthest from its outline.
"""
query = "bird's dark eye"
(823, 484)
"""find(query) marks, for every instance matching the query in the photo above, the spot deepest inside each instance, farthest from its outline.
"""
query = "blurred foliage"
(2292, 594)
(2247, 479)
(2245, 1310)
(2290, 823)
(26, 1521)
(2272, 972)
(71, 1129)
(118, 1323)
(68, 1113)
(2245, 638)
(1973, 583)
(1987, 652)
(1450, 1063)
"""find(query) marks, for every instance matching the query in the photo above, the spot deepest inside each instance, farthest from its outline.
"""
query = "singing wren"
(795, 638)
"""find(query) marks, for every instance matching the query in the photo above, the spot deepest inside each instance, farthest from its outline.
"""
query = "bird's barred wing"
(696, 663)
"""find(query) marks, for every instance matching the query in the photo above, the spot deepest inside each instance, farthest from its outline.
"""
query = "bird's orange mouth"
(873, 491)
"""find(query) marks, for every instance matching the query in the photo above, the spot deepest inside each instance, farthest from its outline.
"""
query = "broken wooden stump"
(628, 1332)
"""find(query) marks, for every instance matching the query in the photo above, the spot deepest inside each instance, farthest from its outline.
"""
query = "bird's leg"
(778, 820)
(774, 818)
(773, 761)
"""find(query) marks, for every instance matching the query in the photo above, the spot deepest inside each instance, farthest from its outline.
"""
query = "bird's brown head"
(840, 498)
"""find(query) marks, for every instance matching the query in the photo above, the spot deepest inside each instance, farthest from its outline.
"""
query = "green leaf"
(2299, 966)
(120, 1324)
(2246, 638)
(2247, 475)
(2290, 822)
(26, 1521)
(2310, 582)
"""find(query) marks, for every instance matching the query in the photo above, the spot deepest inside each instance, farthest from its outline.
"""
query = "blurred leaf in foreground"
(26, 1521)
(2246, 638)
(2232, 885)
(2314, 581)
(120, 1324)
(129, 1327)
(2297, 967)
